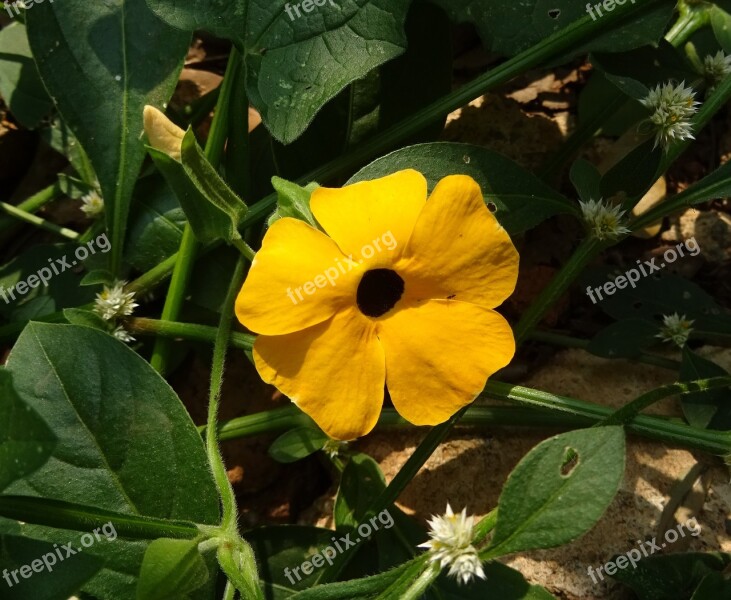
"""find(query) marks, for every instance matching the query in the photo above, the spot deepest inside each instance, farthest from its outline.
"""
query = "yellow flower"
(399, 292)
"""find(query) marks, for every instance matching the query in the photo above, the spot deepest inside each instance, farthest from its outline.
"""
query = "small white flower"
(122, 334)
(334, 447)
(672, 107)
(115, 302)
(717, 66)
(604, 222)
(451, 544)
(92, 204)
(675, 329)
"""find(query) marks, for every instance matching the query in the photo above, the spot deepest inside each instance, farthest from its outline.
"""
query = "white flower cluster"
(676, 329)
(672, 107)
(451, 545)
(716, 67)
(113, 303)
(92, 204)
(604, 222)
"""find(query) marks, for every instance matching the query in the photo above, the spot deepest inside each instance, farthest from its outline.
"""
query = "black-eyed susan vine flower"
(398, 290)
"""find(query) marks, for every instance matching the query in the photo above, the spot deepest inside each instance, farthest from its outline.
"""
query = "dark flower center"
(379, 291)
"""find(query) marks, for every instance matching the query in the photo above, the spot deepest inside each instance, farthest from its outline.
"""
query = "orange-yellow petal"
(372, 220)
(439, 355)
(458, 249)
(335, 372)
(299, 278)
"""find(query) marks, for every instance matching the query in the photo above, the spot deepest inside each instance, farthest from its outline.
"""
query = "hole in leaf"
(554, 13)
(570, 461)
(492, 207)
(637, 305)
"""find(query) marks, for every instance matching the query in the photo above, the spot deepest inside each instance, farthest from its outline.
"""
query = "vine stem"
(37, 221)
(189, 245)
(34, 203)
(220, 347)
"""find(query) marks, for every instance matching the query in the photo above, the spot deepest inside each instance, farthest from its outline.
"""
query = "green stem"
(34, 203)
(225, 489)
(246, 251)
(185, 331)
(664, 430)
(484, 527)
(630, 410)
(189, 245)
(37, 221)
(558, 339)
(587, 251)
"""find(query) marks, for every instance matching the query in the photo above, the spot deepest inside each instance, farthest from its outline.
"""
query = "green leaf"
(520, 199)
(293, 201)
(508, 27)
(500, 583)
(711, 408)
(361, 483)
(26, 442)
(658, 294)
(282, 549)
(356, 589)
(63, 289)
(295, 64)
(156, 223)
(125, 442)
(213, 210)
(672, 576)
(102, 62)
(98, 277)
(87, 318)
(625, 339)
(713, 587)
(171, 569)
(595, 96)
(297, 444)
(721, 23)
(20, 84)
(647, 66)
(559, 490)
(586, 180)
(72, 187)
(634, 174)
(55, 582)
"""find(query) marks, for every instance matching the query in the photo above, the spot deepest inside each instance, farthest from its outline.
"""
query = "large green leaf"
(559, 490)
(520, 199)
(50, 580)
(295, 64)
(20, 85)
(102, 62)
(25, 440)
(125, 442)
(509, 27)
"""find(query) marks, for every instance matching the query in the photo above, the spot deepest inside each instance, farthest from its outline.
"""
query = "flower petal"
(334, 371)
(299, 278)
(458, 249)
(379, 214)
(439, 355)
